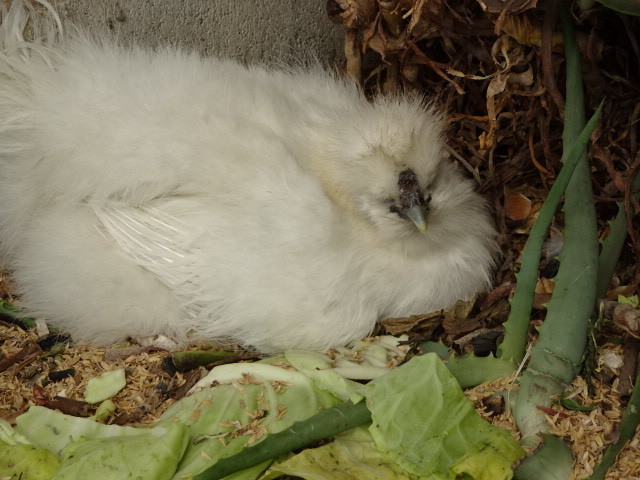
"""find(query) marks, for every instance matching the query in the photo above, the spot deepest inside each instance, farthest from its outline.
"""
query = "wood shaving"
(144, 399)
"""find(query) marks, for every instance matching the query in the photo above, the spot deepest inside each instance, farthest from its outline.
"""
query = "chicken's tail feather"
(44, 29)
(28, 34)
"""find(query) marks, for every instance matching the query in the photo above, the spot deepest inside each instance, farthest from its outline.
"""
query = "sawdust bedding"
(150, 390)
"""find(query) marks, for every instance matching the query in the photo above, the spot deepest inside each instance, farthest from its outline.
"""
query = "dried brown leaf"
(524, 31)
(510, 7)
(352, 13)
(517, 206)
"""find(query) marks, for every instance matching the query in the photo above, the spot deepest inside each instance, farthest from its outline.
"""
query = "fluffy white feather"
(157, 192)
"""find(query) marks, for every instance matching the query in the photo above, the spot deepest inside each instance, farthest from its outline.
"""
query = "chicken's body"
(163, 193)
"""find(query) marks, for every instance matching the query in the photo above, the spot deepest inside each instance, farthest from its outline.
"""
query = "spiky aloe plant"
(471, 371)
(558, 353)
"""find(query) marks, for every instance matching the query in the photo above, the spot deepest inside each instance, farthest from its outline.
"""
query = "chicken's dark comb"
(410, 193)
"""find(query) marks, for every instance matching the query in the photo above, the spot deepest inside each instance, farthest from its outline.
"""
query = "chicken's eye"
(393, 208)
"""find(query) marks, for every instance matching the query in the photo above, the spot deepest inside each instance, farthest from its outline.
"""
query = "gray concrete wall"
(265, 31)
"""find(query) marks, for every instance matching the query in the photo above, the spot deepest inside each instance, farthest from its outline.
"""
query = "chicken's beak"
(413, 205)
(418, 215)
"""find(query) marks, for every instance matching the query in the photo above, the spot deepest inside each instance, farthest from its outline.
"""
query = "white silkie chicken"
(157, 192)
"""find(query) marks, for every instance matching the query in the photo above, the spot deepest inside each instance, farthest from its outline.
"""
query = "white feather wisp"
(148, 192)
(154, 240)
